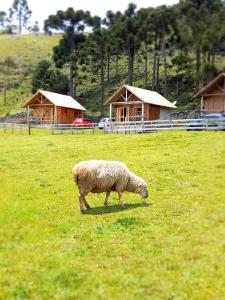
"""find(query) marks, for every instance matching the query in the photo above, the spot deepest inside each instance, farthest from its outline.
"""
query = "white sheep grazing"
(98, 176)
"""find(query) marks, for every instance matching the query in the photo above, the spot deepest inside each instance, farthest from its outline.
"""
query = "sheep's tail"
(76, 178)
(75, 175)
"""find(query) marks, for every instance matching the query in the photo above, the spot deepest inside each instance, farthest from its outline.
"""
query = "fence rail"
(121, 127)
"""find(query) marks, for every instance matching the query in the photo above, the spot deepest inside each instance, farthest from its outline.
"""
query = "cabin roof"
(208, 86)
(144, 95)
(58, 100)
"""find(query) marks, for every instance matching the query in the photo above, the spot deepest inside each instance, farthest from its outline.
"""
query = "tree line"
(187, 37)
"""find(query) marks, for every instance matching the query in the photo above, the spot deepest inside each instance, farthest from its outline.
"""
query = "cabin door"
(123, 114)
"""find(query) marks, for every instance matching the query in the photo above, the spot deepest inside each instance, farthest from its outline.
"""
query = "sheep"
(98, 176)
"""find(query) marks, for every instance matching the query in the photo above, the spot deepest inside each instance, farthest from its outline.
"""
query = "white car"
(103, 123)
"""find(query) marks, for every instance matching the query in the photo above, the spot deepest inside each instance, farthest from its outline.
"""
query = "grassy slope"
(26, 51)
(171, 249)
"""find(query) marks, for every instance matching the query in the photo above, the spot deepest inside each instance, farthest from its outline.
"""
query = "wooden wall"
(152, 112)
(214, 100)
(214, 104)
(133, 112)
(67, 115)
(44, 112)
(63, 115)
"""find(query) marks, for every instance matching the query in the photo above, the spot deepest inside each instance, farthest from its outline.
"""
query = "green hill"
(26, 51)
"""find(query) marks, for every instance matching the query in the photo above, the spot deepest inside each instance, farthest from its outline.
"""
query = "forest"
(173, 50)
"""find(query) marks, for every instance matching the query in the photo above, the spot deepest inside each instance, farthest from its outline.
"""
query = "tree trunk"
(154, 67)
(213, 58)
(71, 86)
(72, 52)
(20, 17)
(198, 65)
(177, 71)
(117, 67)
(158, 65)
(130, 65)
(146, 65)
(75, 83)
(102, 94)
(108, 68)
(164, 65)
(157, 72)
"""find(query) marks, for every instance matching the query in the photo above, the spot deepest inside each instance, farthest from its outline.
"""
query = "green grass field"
(170, 248)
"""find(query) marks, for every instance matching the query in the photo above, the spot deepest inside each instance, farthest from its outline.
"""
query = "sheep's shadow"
(101, 210)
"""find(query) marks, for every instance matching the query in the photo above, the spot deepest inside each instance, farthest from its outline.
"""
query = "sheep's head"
(142, 189)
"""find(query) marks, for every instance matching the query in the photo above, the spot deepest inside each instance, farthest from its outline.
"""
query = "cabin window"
(139, 111)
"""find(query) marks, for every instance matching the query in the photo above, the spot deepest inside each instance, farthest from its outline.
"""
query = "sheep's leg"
(106, 199)
(120, 199)
(82, 205)
(85, 203)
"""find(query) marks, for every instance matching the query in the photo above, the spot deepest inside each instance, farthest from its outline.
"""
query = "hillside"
(27, 50)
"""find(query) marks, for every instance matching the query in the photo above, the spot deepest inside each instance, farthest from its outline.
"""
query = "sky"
(41, 9)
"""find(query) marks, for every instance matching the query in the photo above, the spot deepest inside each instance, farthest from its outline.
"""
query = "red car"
(83, 122)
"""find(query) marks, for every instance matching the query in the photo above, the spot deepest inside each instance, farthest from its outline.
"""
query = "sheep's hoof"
(82, 211)
(106, 205)
(122, 206)
(88, 207)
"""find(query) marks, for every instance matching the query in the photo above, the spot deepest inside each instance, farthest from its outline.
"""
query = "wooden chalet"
(53, 108)
(136, 104)
(213, 96)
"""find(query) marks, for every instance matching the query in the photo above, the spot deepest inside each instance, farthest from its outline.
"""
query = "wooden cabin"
(136, 104)
(213, 96)
(53, 108)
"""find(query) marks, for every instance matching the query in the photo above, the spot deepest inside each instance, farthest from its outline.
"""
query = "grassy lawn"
(173, 247)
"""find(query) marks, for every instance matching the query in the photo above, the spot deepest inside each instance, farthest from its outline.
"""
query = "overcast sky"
(41, 9)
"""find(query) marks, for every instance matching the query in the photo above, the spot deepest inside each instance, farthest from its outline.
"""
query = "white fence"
(126, 127)
(160, 125)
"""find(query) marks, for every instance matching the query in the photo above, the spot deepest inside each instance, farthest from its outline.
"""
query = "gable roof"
(58, 100)
(209, 85)
(144, 95)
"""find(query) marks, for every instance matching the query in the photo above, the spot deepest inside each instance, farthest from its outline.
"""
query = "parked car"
(103, 123)
(83, 122)
(210, 121)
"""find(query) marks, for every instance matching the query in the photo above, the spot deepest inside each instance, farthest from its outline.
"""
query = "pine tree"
(22, 12)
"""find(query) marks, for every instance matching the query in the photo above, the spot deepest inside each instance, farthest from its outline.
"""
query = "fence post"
(52, 129)
(4, 128)
(12, 127)
(93, 129)
(28, 128)
(20, 129)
